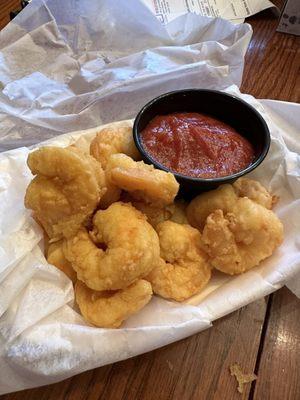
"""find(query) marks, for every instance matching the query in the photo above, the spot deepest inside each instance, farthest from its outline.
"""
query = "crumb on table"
(235, 370)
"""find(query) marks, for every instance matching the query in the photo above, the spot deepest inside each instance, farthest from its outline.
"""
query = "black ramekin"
(225, 107)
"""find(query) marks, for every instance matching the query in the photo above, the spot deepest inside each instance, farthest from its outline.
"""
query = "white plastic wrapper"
(91, 62)
(77, 67)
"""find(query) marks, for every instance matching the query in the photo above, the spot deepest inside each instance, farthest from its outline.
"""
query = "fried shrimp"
(56, 257)
(223, 198)
(173, 212)
(109, 309)
(110, 193)
(241, 239)
(121, 248)
(112, 141)
(178, 211)
(154, 214)
(183, 269)
(141, 180)
(65, 191)
(255, 191)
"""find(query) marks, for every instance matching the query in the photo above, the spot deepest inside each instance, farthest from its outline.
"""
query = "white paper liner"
(44, 339)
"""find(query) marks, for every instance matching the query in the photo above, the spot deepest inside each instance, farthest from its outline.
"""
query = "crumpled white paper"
(77, 67)
(72, 68)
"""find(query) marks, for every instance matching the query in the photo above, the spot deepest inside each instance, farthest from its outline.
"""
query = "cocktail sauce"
(196, 145)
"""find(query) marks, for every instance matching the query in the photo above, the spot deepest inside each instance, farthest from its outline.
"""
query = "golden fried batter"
(56, 257)
(65, 191)
(110, 309)
(174, 212)
(255, 191)
(112, 141)
(128, 249)
(241, 239)
(141, 180)
(117, 255)
(242, 379)
(183, 269)
(223, 198)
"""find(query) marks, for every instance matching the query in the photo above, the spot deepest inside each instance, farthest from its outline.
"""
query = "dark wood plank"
(279, 367)
(194, 368)
(272, 64)
(6, 6)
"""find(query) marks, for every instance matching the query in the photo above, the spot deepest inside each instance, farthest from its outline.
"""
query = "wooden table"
(263, 337)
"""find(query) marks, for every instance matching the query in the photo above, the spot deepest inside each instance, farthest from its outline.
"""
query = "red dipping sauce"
(196, 145)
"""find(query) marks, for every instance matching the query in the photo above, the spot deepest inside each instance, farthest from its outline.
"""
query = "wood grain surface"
(6, 6)
(272, 64)
(279, 366)
(262, 337)
(195, 368)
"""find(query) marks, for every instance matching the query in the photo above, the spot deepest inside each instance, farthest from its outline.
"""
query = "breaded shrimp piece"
(112, 141)
(65, 191)
(56, 257)
(109, 309)
(183, 269)
(128, 248)
(255, 191)
(141, 180)
(111, 193)
(178, 211)
(240, 240)
(155, 214)
(223, 198)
